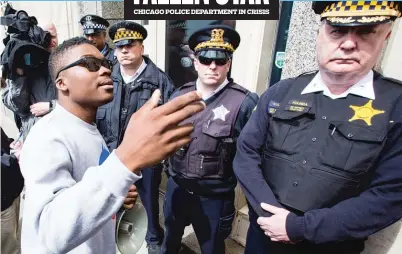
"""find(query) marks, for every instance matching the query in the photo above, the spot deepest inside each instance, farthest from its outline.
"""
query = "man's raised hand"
(154, 133)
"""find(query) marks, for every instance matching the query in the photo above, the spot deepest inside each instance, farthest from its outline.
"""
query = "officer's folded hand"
(275, 226)
(132, 195)
(154, 133)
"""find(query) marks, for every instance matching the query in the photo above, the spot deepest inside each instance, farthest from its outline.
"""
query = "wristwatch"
(51, 106)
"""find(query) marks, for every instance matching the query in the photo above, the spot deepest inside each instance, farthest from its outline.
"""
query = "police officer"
(200, 188)
(95, 30)
(180, 67)
(319, 160)
(134, 80)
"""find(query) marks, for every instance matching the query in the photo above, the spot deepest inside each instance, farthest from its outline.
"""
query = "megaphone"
(131, 228)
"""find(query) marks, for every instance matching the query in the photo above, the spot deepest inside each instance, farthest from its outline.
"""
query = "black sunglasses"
(93, 64)
(208, 61)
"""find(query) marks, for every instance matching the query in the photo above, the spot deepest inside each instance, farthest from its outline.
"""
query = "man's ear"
(229, 63)
(196, 63)
(60, 85)
(322, 24)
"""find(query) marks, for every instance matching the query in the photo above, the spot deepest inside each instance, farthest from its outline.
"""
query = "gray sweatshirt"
(74, 187)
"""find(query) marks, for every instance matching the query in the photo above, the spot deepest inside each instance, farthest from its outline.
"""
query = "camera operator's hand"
(20, 71)
(154, 133)
(40, 108)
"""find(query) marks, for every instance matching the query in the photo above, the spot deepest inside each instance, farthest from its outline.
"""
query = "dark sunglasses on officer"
(206, 57)
(92, 64)
(208, 61)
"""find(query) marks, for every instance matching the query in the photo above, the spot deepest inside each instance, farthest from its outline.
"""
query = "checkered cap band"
(94, 26)
(124, 34)
(362, 8)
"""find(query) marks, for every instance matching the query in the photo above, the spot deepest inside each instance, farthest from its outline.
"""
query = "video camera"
(26, 43)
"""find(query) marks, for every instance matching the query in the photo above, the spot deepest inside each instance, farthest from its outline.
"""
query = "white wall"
(252, 59)
(392, 62)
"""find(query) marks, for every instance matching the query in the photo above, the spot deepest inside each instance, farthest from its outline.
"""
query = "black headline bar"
(215, 9)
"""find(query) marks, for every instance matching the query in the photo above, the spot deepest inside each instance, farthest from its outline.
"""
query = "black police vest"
(210, 153)
(320, 151)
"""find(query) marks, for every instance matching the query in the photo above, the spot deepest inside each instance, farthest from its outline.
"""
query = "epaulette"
(396, 81)
(187, 85)
(381, 76)
(239, 88)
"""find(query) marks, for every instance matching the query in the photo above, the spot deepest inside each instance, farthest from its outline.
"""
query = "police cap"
(125, 32)
(357, 13)
(93, 24)
(215, 41)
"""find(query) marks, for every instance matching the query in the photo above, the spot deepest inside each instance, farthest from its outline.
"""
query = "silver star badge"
(220, 112)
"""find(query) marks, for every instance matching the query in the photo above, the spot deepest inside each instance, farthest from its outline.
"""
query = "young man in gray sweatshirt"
(74, 186)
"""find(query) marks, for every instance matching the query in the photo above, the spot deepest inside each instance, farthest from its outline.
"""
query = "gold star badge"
(365, 112)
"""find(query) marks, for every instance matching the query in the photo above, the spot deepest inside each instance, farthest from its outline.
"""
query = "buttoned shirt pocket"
(209, 161)
(288, 130)
(214, 132)
(350, 147)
